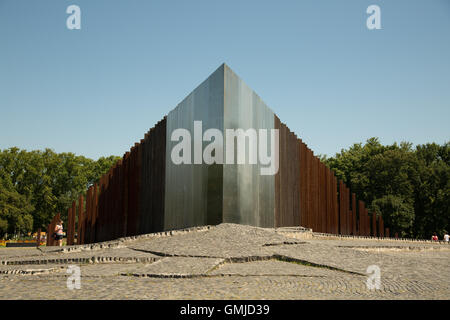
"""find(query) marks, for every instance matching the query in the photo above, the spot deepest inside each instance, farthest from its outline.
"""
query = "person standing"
(446, 237)
(59, 232)
(434, 237)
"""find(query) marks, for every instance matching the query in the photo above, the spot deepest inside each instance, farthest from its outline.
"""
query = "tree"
(432, 192)
(396, 213)
(415, 181)
(35, 185)
(15, 209)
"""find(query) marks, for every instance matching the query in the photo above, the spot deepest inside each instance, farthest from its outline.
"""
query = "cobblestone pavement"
(229, 261)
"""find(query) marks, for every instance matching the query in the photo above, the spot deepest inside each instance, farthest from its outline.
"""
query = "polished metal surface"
(193, 195)
(147, 192)
(248, 196)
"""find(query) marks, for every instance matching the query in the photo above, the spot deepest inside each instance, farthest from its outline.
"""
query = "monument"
(174, 178)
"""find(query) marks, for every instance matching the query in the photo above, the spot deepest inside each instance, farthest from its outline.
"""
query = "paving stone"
(225, 240)
(230, 262)
(272, 268)
(177, 266)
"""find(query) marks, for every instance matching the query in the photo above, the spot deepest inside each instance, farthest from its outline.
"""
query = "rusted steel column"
(347, 209)
(109, 226)
(87, 221)
(323, 201)
(68, 230)
(113, 202)
(100, 207)
(91, 215)
(109, 198)
(145, 211)
(341, 207)
(122, 225)
(71, 224)
(320, 193)
(335, 205)
(328, 199)
(300, 181)
(51, 231)
(295, 178)
(84, 227)
(360, 218)
(329, 182)
(367, 222)
(363, 221)
(278, 220)
(381, 226)
(118, 203)
(57, 219)
(319, 197)
(374, 224)
(94, 213)
(354, 213)
(105, 227)
(280, 177)
(160, 149)
(85, 218)
(138, 185)
(131, 193)
(98, 211)
(126, 193)
(80, 219)
(345, 212)
(315, 192)
(308, 188)
(350, 221)
(47, 241)
(102, 218)
(38, 237)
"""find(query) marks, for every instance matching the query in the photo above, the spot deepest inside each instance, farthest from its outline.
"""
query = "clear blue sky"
(97, 90)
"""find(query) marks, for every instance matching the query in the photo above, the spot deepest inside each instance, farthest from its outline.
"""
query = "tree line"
(35, 185)
(409, 186)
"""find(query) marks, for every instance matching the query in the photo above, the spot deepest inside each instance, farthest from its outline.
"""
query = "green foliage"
(410, 187)
(3, 226)
(396, 213)
(35, 185)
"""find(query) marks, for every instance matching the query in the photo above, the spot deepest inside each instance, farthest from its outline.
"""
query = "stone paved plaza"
(229, 261)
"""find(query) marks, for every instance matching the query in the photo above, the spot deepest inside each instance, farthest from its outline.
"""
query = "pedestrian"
(446, 237)
(434, 237)
(59, 232)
